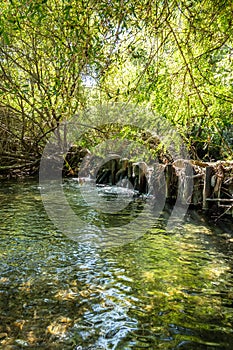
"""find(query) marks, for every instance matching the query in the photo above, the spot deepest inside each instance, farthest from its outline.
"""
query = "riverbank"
(205, 185)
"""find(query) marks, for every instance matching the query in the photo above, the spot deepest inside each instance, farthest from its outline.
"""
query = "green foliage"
(183, 68)
(132, 140)
(59, 57)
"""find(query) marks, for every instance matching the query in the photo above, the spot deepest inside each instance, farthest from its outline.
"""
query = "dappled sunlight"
(163, 289)
(66, 295)
(60, 326)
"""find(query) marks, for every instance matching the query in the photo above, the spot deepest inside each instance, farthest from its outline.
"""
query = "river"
(167, 289)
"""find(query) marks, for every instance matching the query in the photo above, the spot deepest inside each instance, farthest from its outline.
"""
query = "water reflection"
(166, 290)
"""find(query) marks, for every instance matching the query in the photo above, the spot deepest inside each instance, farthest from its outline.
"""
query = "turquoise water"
(165, 290)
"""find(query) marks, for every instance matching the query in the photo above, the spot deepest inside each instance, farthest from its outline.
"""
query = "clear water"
(165, 290)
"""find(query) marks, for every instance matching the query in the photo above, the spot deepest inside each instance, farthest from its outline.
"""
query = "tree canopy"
(58, 57)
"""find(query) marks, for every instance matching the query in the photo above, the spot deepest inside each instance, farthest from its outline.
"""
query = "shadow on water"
(165, 290)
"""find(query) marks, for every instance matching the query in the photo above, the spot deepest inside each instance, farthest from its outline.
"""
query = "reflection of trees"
(164, 288)
(178, 282)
